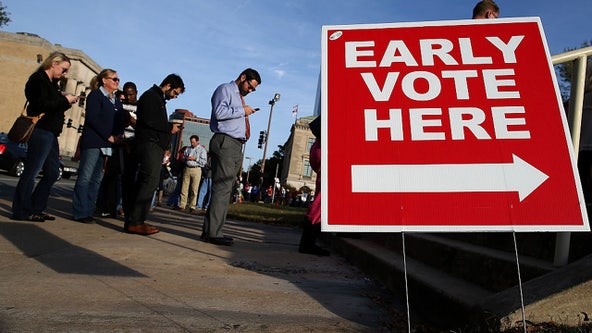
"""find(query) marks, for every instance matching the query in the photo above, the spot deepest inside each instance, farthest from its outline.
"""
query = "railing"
(576, 103)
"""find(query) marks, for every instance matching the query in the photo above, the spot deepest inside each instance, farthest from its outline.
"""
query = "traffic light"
(69, 124)
(80, 128)
(81, 99)
(261, 139)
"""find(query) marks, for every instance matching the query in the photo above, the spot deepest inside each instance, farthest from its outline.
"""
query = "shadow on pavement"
(59, 255)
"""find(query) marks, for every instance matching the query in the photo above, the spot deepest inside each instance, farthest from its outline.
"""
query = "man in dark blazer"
(153, 137)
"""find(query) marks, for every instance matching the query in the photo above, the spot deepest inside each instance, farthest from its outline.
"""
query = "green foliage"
(271, 164)
(267, 213)
(4, 15)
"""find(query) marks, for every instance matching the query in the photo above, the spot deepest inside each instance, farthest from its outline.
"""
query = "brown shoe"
(141, 229)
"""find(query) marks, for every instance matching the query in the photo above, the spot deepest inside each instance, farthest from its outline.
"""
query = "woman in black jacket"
(44, 97)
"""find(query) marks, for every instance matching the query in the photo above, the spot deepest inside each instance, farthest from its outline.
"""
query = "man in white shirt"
(195, 159)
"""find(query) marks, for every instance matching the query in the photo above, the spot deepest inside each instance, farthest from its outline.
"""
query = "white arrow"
(518, 176)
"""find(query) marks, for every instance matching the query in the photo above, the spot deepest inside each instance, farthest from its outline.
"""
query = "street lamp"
(275, 98)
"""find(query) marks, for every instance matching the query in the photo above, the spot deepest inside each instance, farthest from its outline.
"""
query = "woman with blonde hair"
(44, 96)
(103, 126)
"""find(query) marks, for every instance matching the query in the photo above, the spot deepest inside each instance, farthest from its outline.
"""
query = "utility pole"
(275, 98)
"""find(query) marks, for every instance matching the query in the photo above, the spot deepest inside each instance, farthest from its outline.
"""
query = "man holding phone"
(153, 137)
(230, 124)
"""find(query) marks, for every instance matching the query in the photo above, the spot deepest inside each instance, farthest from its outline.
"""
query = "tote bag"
(23, 126)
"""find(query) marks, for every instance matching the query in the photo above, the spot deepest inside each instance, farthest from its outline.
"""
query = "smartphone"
(256, 109)
(181, 127)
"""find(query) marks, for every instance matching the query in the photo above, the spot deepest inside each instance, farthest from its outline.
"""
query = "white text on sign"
(509, 122)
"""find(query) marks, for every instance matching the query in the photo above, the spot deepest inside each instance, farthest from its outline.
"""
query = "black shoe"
(226, 241)
(85, 220)
(315, 250)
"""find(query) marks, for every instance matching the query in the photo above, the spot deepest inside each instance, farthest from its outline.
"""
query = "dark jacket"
(152, 124)
(44, 96)
(102, 120)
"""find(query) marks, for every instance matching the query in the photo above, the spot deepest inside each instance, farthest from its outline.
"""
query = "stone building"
(296, 170)
(193, 125)
(20, 55)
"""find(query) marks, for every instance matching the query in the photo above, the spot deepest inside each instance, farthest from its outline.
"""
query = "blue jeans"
(174, 197)
(205, 190)
(42, 154)
(86, 190)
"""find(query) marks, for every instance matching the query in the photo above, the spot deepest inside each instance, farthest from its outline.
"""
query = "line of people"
(129, 140)
(122, 146)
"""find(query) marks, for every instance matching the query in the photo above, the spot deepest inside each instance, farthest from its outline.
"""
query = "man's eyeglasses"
(251, 88)
(115, 79)
(64, 70)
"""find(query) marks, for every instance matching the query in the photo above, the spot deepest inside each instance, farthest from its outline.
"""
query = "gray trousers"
(226, 155)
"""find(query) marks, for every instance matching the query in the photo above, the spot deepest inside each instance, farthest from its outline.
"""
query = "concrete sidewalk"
(64, 276)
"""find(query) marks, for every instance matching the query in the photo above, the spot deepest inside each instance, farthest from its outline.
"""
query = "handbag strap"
(24, 112)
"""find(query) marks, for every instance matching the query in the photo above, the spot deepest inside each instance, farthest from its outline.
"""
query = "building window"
(307, 170)
(309, 144)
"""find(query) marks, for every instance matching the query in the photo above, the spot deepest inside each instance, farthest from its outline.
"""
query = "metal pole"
(272, 102)
(276, 98)
(273, 190)
(248, 168)
(243, 149)
(576, 103)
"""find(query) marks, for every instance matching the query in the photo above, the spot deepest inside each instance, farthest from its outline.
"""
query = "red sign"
(445, 126)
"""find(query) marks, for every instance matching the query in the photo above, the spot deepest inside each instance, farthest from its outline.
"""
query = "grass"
(267, 213)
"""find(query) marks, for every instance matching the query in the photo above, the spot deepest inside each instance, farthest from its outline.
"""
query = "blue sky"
(211, 42)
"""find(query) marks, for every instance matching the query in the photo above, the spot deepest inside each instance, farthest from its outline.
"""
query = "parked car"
(13, 156)
(68, 168)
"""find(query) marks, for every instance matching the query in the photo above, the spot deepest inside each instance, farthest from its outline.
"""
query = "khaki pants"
(189, 186)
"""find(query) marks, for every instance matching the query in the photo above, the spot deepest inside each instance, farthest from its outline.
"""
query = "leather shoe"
(226, 241)
(141, 229)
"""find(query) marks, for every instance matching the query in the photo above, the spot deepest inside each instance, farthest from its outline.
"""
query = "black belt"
(239, 140)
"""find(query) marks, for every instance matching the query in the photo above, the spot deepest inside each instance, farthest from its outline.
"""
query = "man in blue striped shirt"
(230, 124)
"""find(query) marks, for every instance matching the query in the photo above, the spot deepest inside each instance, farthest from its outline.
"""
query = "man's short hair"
(483, 6)
(251, 74)
(194, 137)
(131, 85)
(175, 81)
